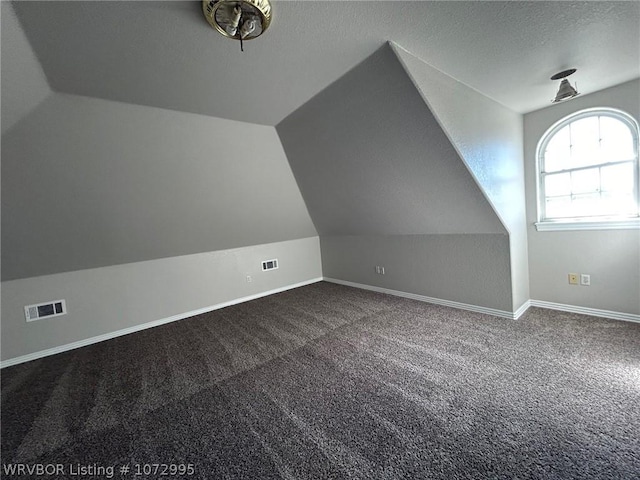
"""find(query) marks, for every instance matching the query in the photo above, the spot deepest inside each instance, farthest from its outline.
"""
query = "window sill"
(626, 224)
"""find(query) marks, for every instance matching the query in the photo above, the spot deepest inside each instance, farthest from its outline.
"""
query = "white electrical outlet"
(585, 279)
(249, 279)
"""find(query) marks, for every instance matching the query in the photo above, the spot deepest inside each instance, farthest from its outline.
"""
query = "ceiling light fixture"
(238, 19)
(565, 91)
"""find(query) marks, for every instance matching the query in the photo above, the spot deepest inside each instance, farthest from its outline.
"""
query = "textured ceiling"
(164, 54)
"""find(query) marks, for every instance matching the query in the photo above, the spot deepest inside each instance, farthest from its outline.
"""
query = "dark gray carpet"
(327, 381)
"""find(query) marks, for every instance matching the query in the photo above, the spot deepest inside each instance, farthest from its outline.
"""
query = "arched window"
(588, 171)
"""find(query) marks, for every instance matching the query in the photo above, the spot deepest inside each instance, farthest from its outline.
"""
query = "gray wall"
(488, 137)
(385, 186)
(611, 257)
(471, 269)
(89, 183)
(24, 84)
(104, 300)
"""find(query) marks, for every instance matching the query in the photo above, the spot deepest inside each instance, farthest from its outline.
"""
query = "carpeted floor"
(327, 381)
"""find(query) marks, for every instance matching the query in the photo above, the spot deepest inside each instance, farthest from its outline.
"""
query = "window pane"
(619, 204)
(618, 178)
(587, 205)
(558, 207)
(585, 142)
(617, 142)
(557, 184)
(585, 181)
(558, 151)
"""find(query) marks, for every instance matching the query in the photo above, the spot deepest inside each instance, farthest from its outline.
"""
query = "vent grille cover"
(270, 264)
(39, 311)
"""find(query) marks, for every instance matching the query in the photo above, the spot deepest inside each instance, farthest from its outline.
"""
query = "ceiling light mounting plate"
(563, 74)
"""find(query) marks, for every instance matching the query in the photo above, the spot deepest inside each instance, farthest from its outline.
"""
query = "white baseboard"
(436, 301)
(595, 312)
(629, 317)
(136, 328)
(523, 308)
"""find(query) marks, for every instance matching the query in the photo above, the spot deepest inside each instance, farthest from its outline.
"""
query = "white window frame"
(587, 223)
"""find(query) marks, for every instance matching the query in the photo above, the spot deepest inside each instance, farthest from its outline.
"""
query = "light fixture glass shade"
(565, 91)
(238, 19)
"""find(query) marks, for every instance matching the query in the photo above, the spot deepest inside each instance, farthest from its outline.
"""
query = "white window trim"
(587, 223)
(558, 226)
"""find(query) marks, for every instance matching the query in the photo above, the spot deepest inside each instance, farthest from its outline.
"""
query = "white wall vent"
(270, 264)
(45, 310)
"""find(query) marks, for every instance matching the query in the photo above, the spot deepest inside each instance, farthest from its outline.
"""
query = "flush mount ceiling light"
(238, 19)
(565, 91)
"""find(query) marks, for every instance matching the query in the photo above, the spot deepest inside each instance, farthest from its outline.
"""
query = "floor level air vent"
(270, 264)
(45, 310)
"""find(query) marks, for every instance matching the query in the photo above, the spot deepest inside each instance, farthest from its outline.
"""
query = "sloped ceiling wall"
(487, 135)
(90, 183)
(371, 159)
